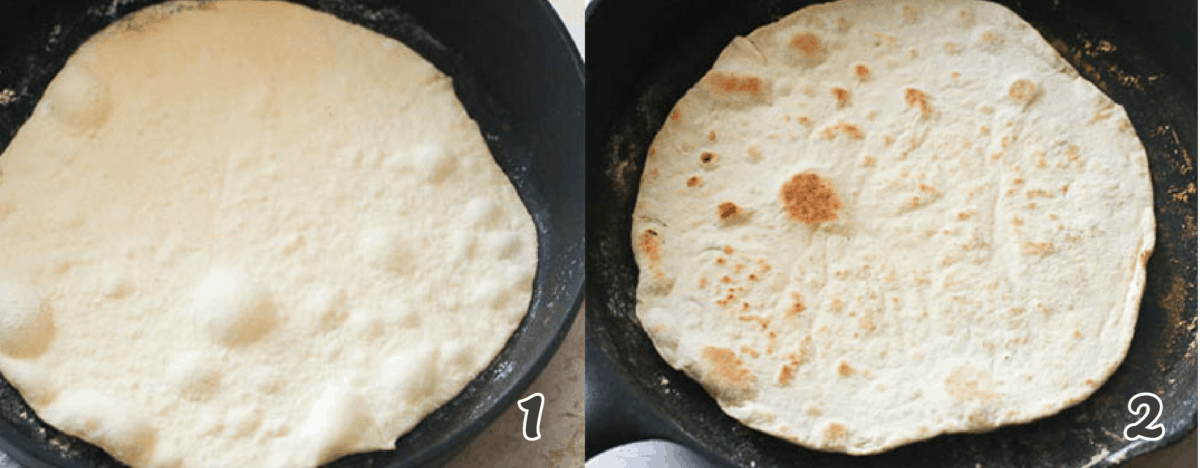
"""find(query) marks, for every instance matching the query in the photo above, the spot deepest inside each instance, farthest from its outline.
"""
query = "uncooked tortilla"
(874, 222)
(251, 234)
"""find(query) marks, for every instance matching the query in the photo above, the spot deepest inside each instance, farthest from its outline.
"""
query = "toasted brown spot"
(808, 44)
(762, 322)
(1023, 91)
(675, 114)
(842, 96)
(749, 351)
(1017, 221)
(754, 153)
(869, 161)
(703, 281)
(728, 365)
(927, 188)
(785, 374)
(707, 158)
(989, 36)
(955, 75)
(726, 83)
(797, 305)
(836, 304)
(653, 151)
(803, 120)
(693, 181)
(909, 13)
(650, 244)
(970, 384)
(728, 210)
(728, 250)
(1018, 181)
(737, 268)
(720, 261)
(851, 130)
(845, 370)
(712, 135)
(917, 98)
(726, 279)
(965, 215)
(809, 199)
(1077, 334)
(1145, 256)
(1037, 248)
(862, 72)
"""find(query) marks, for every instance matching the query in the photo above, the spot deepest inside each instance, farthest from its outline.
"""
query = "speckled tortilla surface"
(874, 222)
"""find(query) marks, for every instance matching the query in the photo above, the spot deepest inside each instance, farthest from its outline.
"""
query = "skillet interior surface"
(517, 74)
(645, 55)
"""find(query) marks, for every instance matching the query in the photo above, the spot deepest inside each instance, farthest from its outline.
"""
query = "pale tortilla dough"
(874, 222)
(251, 234)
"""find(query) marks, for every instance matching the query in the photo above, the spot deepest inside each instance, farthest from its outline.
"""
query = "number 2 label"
(531, 428)
(1146, 427)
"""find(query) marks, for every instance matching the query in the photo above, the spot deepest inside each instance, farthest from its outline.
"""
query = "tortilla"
(251, 234)
(873, 222)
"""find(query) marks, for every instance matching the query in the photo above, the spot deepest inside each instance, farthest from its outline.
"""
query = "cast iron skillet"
(518, 75)
(643, 55)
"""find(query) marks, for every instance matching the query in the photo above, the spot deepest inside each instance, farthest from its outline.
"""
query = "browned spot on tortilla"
(730, 84)
(1023, 91)
(749, 351)
(1018, 181)
(707, 158)
(797, 305)
(727, 210)
(785, 374)
(762, 322)
(989, 36)
(728, 250)
(964, 215)
(842, 96)
(675, 114)
(862, 72)
(955, 75)
(727, 365)
(720, 261)
(1077, 334)
(836, 304)
(1037, 248)
(653, 151)
(726, 279)
(845, 370)
(808, 44)
(650, 244)
(712, 135)
(737, 267)
(1145, 256)
(654, 172)
(909, 13)
(809, 199)
(970, 384)
(693, 181)
(927, 188)
(752, 277)
(917, 98)
(703, 281)
(850, 130)
(803, 120)
(869, 161)
(1017, 221)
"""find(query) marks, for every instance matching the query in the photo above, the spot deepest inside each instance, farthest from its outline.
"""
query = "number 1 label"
(531, 428)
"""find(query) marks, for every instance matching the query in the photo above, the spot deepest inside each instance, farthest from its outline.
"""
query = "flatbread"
(875, 222)
(251, 234)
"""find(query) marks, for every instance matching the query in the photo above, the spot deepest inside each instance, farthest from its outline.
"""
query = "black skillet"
(643, 55)
(519, 76)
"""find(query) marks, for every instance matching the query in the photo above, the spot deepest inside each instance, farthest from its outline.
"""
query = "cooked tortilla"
(874, 222)
(249, 234)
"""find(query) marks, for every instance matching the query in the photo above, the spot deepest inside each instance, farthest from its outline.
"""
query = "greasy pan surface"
(517, 74)
(645, 54)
